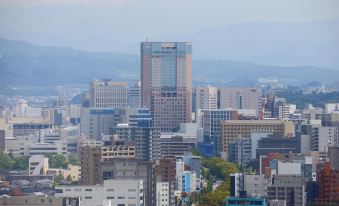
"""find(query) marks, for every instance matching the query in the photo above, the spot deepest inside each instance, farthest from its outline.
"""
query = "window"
(88, 198)
(121, 198)
(88, 190)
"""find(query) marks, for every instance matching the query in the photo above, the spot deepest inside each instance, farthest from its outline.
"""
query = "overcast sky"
(118, 25)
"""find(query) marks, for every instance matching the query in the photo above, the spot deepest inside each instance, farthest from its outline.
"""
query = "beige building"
(232, 129)
(38, 200)
(74, 171)
(206, 98)
(108, 94)
(115, 151)
(166, 83)
(240, 98)
(7, 127)
(24, 126)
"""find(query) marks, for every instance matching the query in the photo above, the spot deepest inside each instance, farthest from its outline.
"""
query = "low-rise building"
(291, 188)
(111, 192)
(38, 165)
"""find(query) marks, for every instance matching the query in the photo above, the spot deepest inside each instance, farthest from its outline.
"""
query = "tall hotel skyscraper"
(166, 82)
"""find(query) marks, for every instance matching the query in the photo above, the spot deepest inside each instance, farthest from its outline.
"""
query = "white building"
(25, 146)
(134, 95)
(206, 98)
(256, 185)
(322, 137)
(333, 107)
(286, 110)
(163, 194)
(112, 192)
(38, 165)
(108, 94)
(240, 98)
(289, 168)
(186, 180)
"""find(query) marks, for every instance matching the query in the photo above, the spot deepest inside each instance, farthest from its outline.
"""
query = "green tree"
(21, 163)
(57, 161)
(220, 169)
(5, 162)
(73, 159)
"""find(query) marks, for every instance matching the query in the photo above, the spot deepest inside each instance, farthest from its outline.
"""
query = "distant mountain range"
(23, 63)
(285, 43)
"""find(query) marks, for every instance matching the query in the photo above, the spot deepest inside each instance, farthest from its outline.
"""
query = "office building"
(240, 98)
(96, 122)
(146, 140)
(240, 151)
(328, 184)
(26, 146)
(206, 98)
(256, 185)
(211, 124)
(166, 83)
(175, 146)
(134, 95)
(25, 126)
(323, 137)
(290, 188)
(111, 192)
(57, 147)
(138, 117)
(129, 169)
(74, 114)
(233, 129)
(276, 144)
(108, 94)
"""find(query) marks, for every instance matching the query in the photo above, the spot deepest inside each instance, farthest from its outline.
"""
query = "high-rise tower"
(166, 82)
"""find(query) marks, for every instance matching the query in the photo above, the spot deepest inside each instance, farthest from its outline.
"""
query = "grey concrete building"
(291, 188)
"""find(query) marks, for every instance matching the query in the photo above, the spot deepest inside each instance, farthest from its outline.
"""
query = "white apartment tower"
(206, 97)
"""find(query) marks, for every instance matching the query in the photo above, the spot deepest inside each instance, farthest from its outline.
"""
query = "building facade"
(111, 192)
(240, 98)
(206, 98)
(232, 129)
(108, 94)
(166, 82)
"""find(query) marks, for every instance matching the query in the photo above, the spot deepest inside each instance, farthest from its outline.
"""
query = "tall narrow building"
(166, 82)
(206, 98)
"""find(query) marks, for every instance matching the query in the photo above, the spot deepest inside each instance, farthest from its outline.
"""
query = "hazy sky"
(119, 25)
